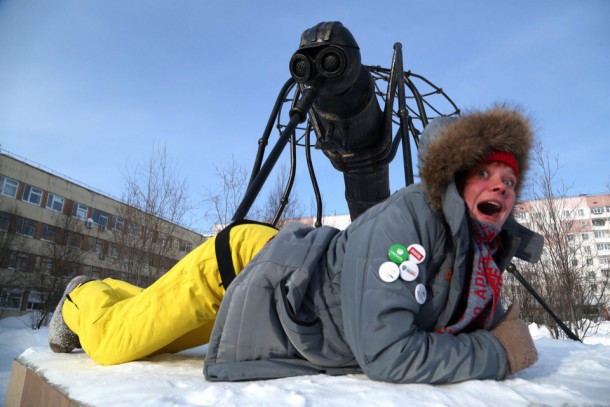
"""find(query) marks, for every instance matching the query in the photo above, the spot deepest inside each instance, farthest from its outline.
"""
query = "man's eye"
(483, 173)
(509, 182)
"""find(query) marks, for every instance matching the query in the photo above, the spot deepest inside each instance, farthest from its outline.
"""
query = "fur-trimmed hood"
(452, 145)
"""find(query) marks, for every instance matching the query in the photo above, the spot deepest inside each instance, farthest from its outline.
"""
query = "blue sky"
(87, 87)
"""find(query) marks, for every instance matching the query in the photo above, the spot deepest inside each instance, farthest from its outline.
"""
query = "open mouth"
(489, 208)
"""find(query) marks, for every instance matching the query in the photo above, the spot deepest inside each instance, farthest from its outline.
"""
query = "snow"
(567, 373)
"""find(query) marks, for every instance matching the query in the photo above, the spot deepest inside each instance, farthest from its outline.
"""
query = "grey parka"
(312, 301)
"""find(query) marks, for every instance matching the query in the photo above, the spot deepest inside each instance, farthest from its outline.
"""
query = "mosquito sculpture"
(337, 97)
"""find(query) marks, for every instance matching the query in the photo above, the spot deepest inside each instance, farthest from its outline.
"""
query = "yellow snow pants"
(117, 322)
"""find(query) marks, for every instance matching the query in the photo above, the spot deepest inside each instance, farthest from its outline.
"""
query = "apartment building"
(48, 221)
(586, 222)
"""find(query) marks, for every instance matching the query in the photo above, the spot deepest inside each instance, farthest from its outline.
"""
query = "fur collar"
(449, 146)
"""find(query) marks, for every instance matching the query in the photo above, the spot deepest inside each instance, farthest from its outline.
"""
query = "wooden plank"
(15, 385)
(28, 389)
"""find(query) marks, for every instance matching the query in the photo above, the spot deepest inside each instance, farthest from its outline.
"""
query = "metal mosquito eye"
(331, 62)
(301, 68)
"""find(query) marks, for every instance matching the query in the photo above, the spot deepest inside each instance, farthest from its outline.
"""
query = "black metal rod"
(513, 270)
(418, 100)
(293, 167)
(312, 175)
(297, 115)
(403, 115)
(389, 100)
(262, 142)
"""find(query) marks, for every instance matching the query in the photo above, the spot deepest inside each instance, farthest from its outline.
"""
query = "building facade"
(579, 227)
(52, 229)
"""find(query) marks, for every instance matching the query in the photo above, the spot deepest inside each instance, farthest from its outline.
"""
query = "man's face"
(489, 192)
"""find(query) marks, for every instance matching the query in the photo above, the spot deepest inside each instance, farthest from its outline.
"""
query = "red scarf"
(485, 281)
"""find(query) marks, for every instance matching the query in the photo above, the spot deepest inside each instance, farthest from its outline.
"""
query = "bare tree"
(564, 276)
(157, 201)
(55, 266)
(222, 201)
(9, 277)
(232, 182)
(293, 209)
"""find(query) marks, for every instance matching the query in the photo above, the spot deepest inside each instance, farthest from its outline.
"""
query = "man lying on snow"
(408, 293)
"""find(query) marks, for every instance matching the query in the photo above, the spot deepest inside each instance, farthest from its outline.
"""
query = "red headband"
(506, 158)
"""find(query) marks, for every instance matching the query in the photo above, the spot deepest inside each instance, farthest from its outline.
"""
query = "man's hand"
(516, 340)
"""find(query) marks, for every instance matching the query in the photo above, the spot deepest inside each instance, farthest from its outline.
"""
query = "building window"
(589, 262)
(111, 274)
(55, 203)
(35, 301)
(598, 222)
(100, 246)
(566, 214)
(19, 261)
(43, 265)
(8, 186)
(519, 215)
(583, 223)
(96, 272)
(186, 246)
(32, 195)
(118, 223)
(71, 270)
(164, 240)
(585, 236)
(587, 249)
(133, 229)
(5, 221)
(600, 234)
(570, 238)
(581, 212)
(75, 240)
(603, 246)
(79, 210)
(49, 233)
(91, 244)
(26, 227)
(604, 260)
(11, 298)
(100, 218)
(597, 210)
(113, 251)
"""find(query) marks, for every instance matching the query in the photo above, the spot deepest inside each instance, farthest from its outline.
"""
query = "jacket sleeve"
(380, 317)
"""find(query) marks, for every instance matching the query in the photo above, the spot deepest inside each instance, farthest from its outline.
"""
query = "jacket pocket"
(305, 336)
(288, 316)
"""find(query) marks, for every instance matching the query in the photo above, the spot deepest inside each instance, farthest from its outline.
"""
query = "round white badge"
(420, 293)
(408, 270)
(389, 272)
(417, 253)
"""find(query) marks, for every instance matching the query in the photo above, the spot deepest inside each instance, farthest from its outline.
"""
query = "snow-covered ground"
(567, 373)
